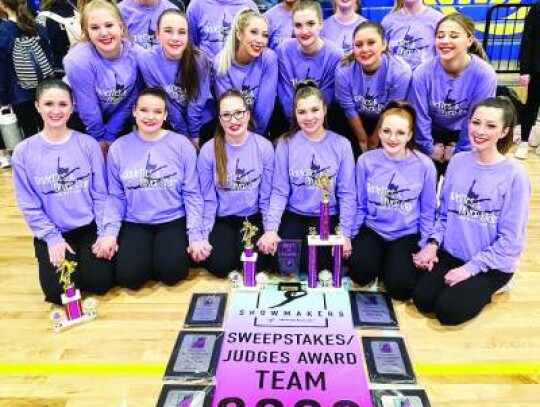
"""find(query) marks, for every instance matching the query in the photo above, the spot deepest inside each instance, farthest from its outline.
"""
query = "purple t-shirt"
(341, 34)
(412, 37)
(280, 25)
(249, 179)
(59, 187)
(396, 197)
(482, 217)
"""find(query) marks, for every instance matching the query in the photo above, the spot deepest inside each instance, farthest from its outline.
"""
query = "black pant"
(374, 257)
(152, 252)
(531, 106)
(91, 274)
(28, 117)
(294, 226)
(462, 302)
(227, 245)
(446, 137)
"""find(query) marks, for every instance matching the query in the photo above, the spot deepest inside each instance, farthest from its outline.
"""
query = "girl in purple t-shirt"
(339, 27)
(396, 203)
(479, 233)
(60, 186)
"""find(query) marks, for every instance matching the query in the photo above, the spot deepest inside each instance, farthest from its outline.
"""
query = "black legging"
(91, 274)
(531, 107)
(152, 252)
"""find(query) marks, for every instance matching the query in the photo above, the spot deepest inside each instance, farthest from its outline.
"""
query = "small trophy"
(75, 311)
(249, 257)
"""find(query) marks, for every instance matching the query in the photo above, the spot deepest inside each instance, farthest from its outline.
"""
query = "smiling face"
(368, 48)
(150, 112)
(105, 32)
(173, 35)
(486, 127)
(395, 132)
(310, 112)
(253, 38)
(55, 107)
(307, 26)
(234, 117)
(346, 5)
(452, 41)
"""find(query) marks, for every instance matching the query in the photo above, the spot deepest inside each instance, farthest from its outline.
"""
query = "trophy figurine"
(249, 257)
(75, 311)
(324, 183)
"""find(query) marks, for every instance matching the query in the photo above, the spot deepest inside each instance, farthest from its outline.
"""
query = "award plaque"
(206, 310)
(372, 310)
(387, 360)
(175, 395)
(194, 356)
(400, 398)
(288, 254)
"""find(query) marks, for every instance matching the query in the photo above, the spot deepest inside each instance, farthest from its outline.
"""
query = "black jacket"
(529, 51)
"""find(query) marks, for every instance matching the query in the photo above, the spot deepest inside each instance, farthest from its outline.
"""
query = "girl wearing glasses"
(183, 71)
(302, 156)
(444, 89)
(154, 203)
(395, 205)
(246, 64)
(479, 233)
(235, 174)
(366, 80)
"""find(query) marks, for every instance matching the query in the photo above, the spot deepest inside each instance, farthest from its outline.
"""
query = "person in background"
(245, 63)
(153, 213)
(410, 31)
(366, 80)
(280, 24)
(396, 202)
(183, 71)
(60, 187)
(103, 73)
(481, 222)
(442, 90)
(340, 26)
(235, 174)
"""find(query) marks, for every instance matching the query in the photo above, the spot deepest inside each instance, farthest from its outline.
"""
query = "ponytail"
(398, 5)
(477, 49)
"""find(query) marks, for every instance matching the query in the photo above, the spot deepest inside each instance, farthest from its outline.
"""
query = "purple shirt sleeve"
(206, 171)
(192, 195)
(98, 188)
(428, 202)
(115, 207)
(361, 196)
(418, 96)
(280, 187)
(344, 94)
(346, 191)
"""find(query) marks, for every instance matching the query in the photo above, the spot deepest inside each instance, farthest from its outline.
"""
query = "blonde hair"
(97, 5)
(309, 5)
(240, 22)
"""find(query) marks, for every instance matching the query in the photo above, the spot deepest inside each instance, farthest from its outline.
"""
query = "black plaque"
(399, 398)
(206, 310)
(387, 360)
(289, 252)
(177, 395)
(372, 310)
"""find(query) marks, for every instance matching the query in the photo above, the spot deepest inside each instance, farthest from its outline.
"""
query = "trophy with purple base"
(324, 238)
(75, 310)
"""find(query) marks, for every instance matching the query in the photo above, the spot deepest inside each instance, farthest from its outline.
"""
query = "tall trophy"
(75, 311)
(324, 238)
(249, 257)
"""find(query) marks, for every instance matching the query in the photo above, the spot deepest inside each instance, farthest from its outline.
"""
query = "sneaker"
(5, 161)
(522, 150)
(505, 288)
(534, 137)
(517, 134)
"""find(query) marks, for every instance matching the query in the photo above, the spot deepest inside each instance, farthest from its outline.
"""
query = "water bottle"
(9, 127)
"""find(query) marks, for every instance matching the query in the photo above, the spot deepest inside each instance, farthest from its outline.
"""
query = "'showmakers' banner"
(290, 349)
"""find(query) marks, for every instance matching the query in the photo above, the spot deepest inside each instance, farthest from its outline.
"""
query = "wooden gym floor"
(118, 359)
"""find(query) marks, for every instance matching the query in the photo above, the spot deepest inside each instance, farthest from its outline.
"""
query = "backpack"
(71, 25)
(30, 62)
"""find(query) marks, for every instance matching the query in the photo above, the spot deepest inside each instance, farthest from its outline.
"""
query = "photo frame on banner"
(177, 395)
(400, 398)
(387, 360)
(195, 356)
(372, 310)
(289, 252)
(206, 310)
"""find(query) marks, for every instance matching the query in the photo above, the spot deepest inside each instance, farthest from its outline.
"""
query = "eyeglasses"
(238, 115)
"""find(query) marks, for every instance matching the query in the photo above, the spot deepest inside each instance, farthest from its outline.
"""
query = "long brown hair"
(25, 19)
(349, 58)
(189, 73)
(467, 24)
(219, 137)
(402, 109)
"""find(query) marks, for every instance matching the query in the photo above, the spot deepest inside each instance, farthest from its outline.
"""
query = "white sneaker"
(5, 161)
(505, 288)
(534, 137)
(517, 134)
(522, 150)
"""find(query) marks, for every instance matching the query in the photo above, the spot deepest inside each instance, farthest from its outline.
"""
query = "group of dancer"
(156, 203)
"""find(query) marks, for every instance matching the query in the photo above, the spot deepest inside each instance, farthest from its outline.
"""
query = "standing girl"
(444, 89)
(235, 174)
(410, 31)
(154, 203)
(366, 80)
(246, 64)
(395, 205)
(183, 71)
(308, 152)
(59, 177)
(481, 221)
(103, 73)
(339, 27)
